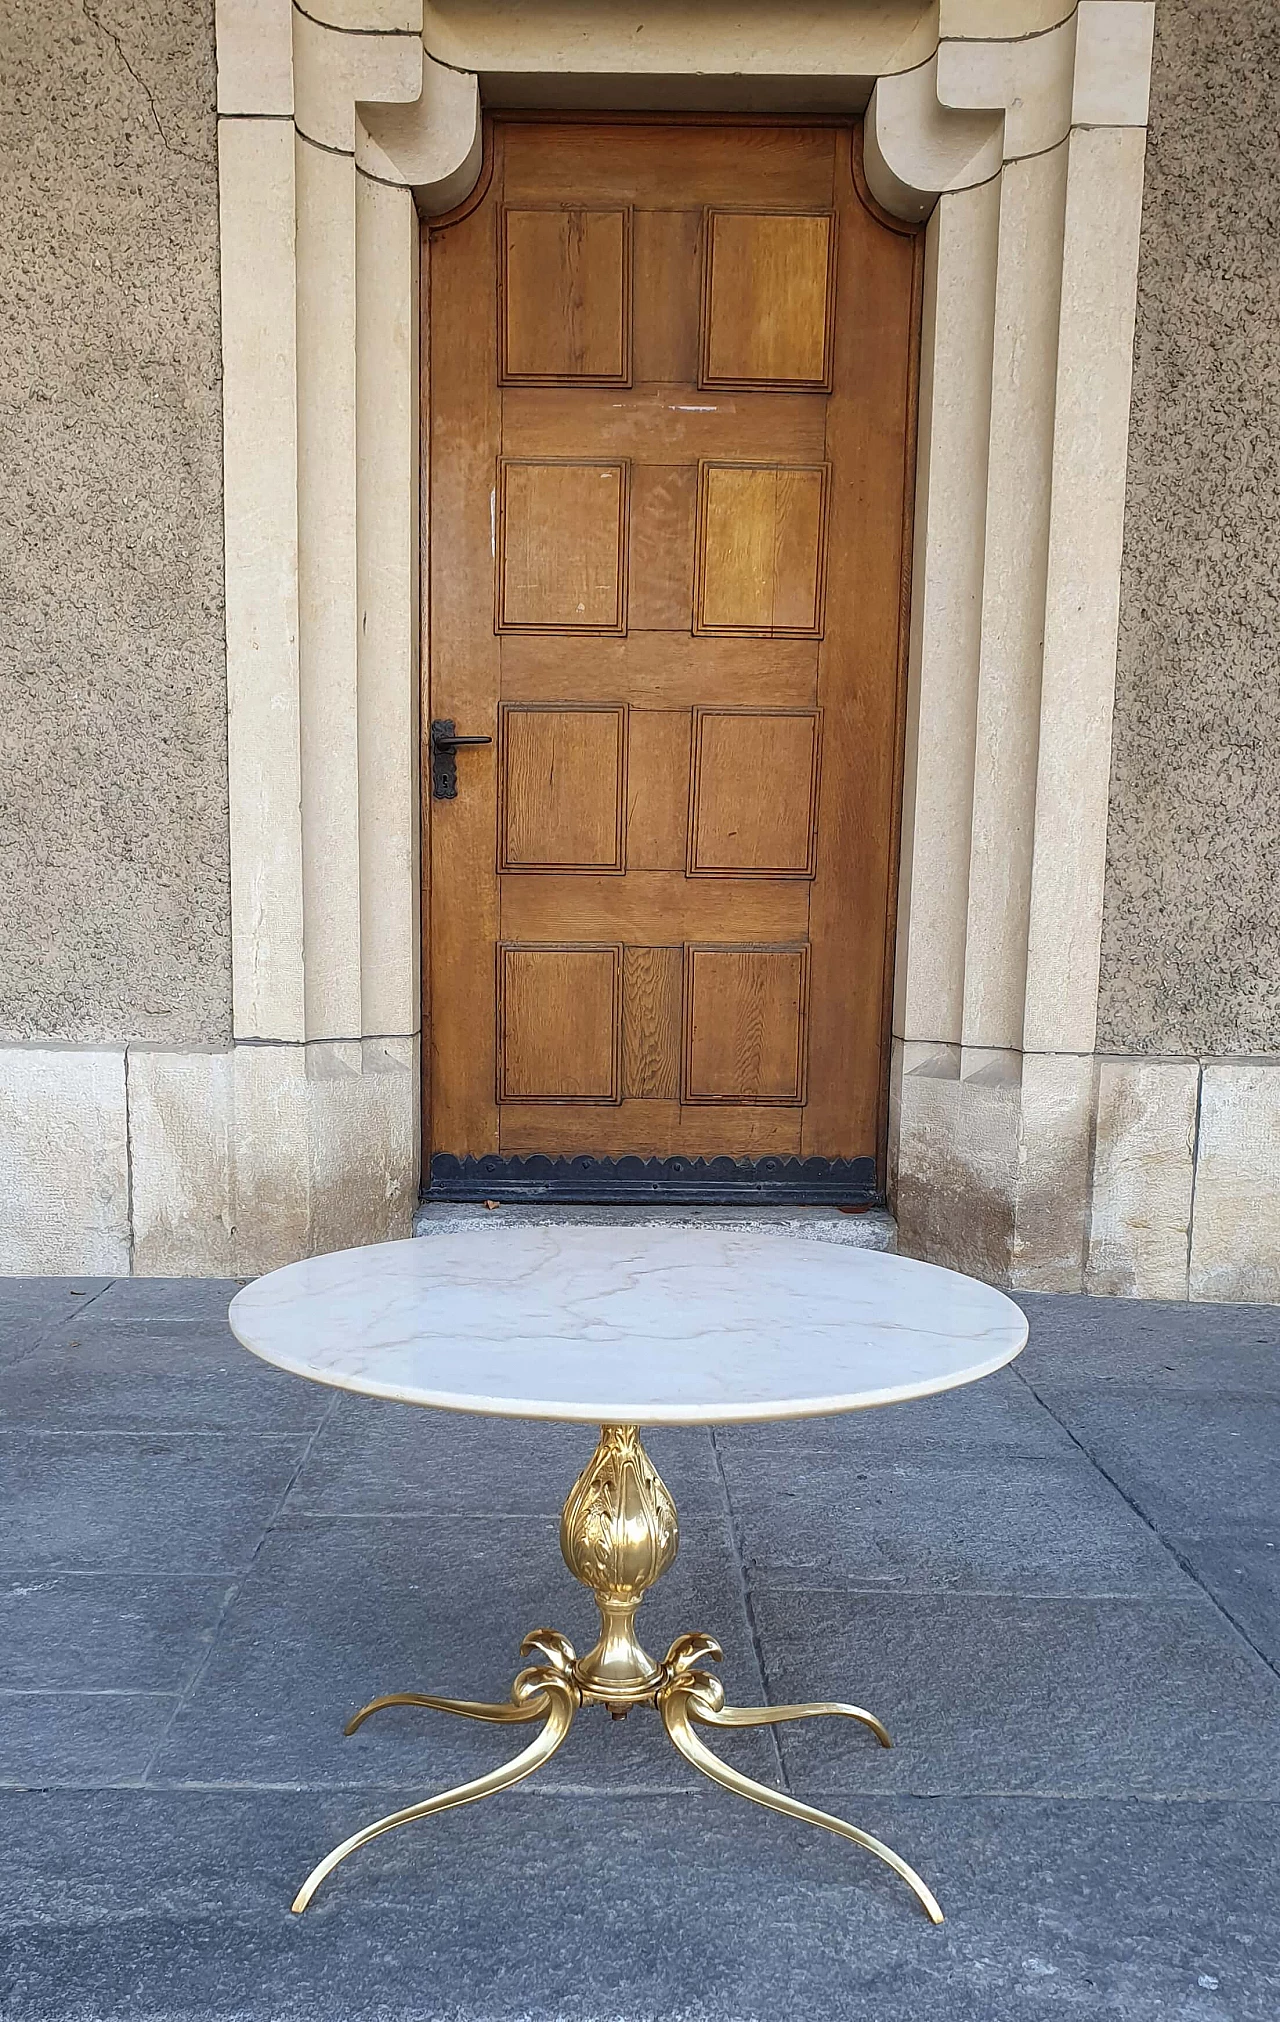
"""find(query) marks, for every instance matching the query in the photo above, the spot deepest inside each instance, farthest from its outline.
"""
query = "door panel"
(755, 793)
(562, 546)
(565, 310)
(670, 405)
(564, 787)
(768, 298)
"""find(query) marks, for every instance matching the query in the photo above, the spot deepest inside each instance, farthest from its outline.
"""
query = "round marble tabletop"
(628, 1325)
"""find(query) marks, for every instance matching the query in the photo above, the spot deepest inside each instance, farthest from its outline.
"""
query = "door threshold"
(871, 1229)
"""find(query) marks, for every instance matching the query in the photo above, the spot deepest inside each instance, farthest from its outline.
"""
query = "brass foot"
(693, 1694)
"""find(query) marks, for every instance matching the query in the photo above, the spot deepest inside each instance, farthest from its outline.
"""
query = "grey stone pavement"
(1060, 1589)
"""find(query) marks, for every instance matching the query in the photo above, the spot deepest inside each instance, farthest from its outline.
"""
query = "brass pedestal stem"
(618, 1534)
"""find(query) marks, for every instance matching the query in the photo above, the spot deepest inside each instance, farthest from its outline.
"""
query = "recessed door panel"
(564, 787)
(562, 547)
(754, 804)
(745, 1017)
(767, 299)
(761, 549)
(565, 280)
(559, 1023)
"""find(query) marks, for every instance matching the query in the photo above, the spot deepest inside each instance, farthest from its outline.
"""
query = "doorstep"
(868, 1229)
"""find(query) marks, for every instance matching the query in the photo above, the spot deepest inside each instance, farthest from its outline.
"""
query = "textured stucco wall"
(113, 821)
(1191, 942)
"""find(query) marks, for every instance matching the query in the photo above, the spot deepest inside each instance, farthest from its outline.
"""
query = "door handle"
(445, 743)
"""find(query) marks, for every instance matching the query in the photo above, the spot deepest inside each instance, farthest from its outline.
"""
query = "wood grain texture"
(661, 423)
(562, 546)
(563, 794)
(754, 793)
(647, 1129)
(745, 1018)
(465, 437)
(660, 670)
(862, 671)
(663, 500)
(650, 907)
(666, 296)
(670, 163)
(564, 296)
(768, 298)
(661, 904)
(559, 1024)
(652, 999)
(762, 548)
(658, 789)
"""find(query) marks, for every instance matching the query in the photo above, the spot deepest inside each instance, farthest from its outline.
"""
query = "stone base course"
(208, 1163)
(1060, 1173)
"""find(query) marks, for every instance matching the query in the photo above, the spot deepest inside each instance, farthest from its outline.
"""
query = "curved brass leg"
(541, 1691)
(504, 1714)
(557, 1652)
(680, 1701)
(767, 1716)
(690, 1652)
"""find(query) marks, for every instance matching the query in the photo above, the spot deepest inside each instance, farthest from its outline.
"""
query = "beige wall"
(114, 890)
(1191, 941)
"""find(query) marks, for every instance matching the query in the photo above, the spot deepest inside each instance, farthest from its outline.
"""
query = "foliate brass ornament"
(618, 1533)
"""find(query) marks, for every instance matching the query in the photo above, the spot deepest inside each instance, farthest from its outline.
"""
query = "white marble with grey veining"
(634, 1326)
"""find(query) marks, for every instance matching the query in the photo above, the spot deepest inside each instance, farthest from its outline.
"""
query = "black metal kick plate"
(715, 1182)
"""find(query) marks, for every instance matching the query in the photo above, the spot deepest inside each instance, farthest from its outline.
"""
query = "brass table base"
(618, 1534)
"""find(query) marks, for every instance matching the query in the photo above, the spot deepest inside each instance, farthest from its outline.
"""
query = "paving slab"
(124, 1905)
(105, 1632)
(1173, 1345)
(157, 1299)
(340, 1610)
(80, 1738)
(950, 1517)
(29, 1307)
(1195, 1464)
(1243, 1575)
(129, 1373)
(993, 1695)
(374, 1457)
(149, 1502)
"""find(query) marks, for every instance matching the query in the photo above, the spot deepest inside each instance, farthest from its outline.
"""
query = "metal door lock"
(445, 744)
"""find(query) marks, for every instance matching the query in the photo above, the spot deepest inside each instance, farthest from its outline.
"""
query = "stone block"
(64, 1173)
(255, 59)
(1055, 1124)
(1235, 1233)
(1113, 62)
(180, 1162)
(1142, 1178)
(270, 1186)
(324, 1146)
(1081, 612)
(956, 1164)
(363, 1116)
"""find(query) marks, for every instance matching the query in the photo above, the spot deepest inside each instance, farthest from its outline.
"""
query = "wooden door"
(671, 409)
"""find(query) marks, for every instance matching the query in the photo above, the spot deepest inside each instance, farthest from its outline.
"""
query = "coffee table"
(623, 1328)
